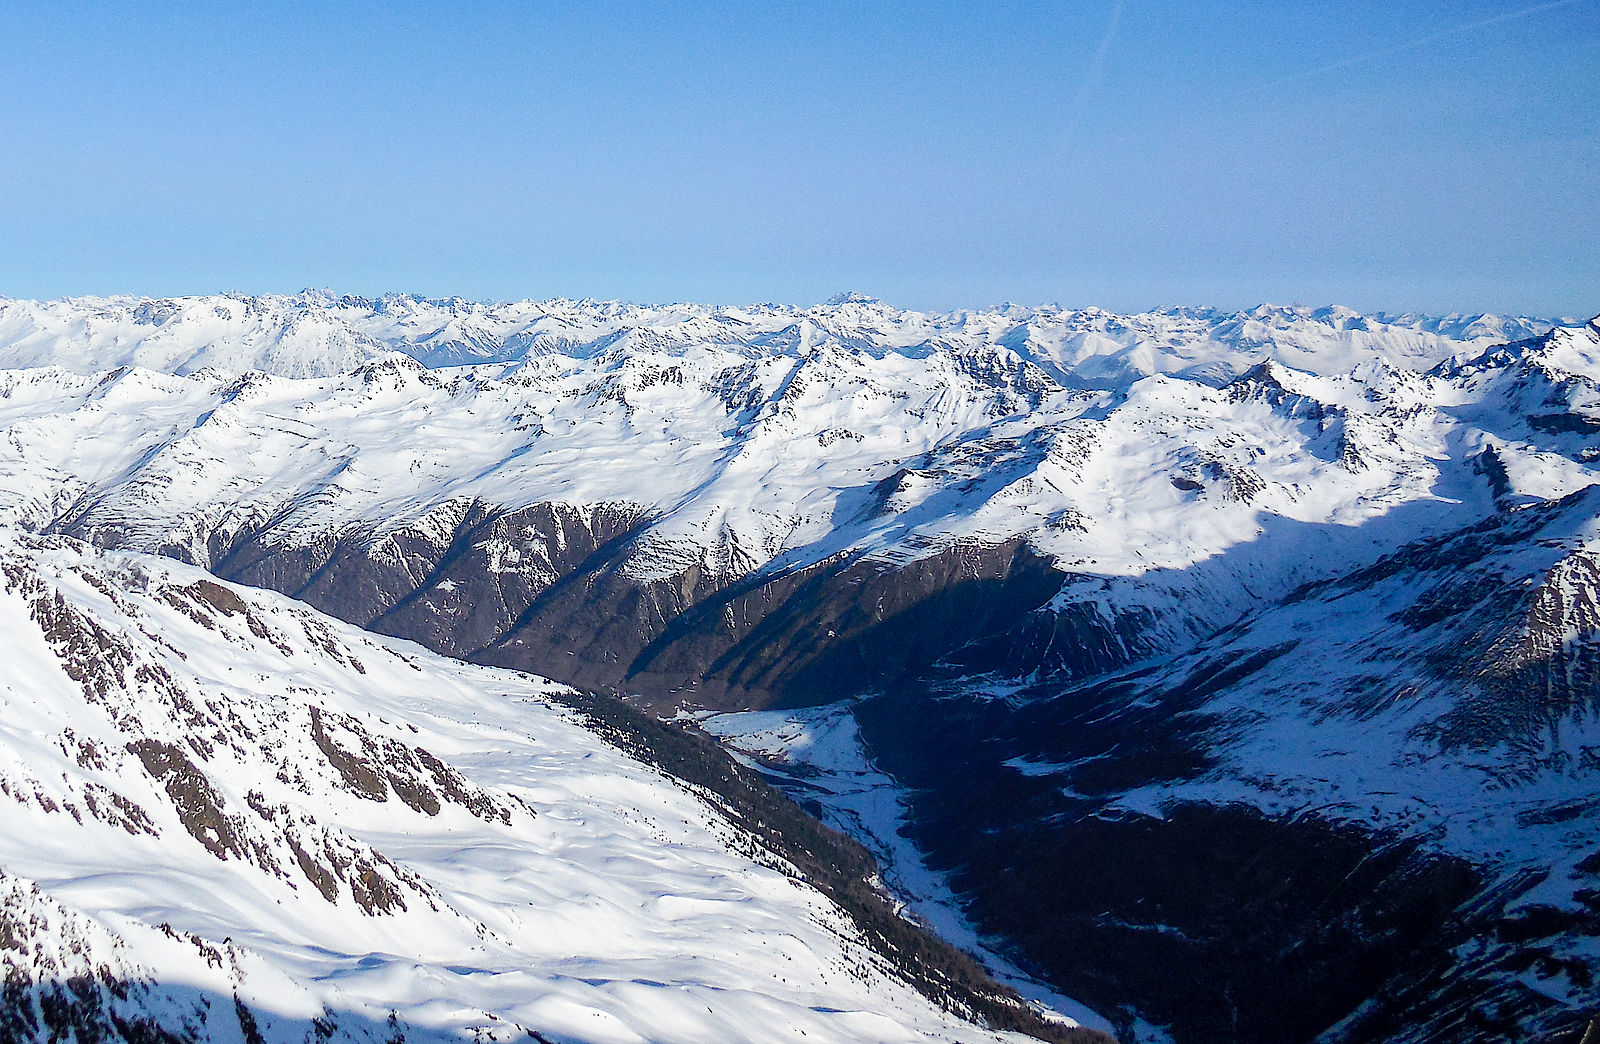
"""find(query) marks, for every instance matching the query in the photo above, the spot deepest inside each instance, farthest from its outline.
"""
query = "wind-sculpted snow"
(676, 466)
(209, 793)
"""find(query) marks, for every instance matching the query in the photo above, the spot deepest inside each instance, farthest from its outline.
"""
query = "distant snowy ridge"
(316, 333)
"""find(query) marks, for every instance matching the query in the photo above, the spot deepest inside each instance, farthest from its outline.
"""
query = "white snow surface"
(175, 753)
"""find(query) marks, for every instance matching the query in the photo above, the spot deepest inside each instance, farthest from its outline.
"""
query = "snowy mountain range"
(1288, 580)
(818, 464)
(319, 334)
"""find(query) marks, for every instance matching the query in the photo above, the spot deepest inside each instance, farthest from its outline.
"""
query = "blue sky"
(1430, 156)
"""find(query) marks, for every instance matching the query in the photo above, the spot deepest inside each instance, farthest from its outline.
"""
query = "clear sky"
(1396, 155)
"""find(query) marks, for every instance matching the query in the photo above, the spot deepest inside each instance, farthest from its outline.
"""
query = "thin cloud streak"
(1091, 76)
(1410, 45)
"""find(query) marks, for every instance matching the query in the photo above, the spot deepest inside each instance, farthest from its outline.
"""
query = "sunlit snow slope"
(225, 815)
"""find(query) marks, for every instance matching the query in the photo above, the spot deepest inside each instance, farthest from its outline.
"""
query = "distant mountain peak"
(851, 297)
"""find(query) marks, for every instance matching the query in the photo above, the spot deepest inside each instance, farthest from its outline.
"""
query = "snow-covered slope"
(220, 810)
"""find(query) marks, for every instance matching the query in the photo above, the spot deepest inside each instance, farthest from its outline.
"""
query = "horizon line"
(837, 300)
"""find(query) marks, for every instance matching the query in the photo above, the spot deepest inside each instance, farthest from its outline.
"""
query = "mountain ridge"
(316, 333)
(664, 478)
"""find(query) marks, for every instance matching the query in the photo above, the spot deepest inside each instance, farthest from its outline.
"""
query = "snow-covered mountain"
(1195, 637)
(224, 816)
(773, 516)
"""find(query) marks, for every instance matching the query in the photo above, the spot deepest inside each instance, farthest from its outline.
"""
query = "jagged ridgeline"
(1294, 605)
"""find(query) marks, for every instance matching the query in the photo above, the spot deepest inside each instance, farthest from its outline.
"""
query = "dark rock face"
(1220, 923)
(454, 583)
(548, 589)
(197, 801)
(842, 628)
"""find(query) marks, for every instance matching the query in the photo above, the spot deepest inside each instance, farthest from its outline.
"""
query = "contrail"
(1091, 76)
(1410, 45)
